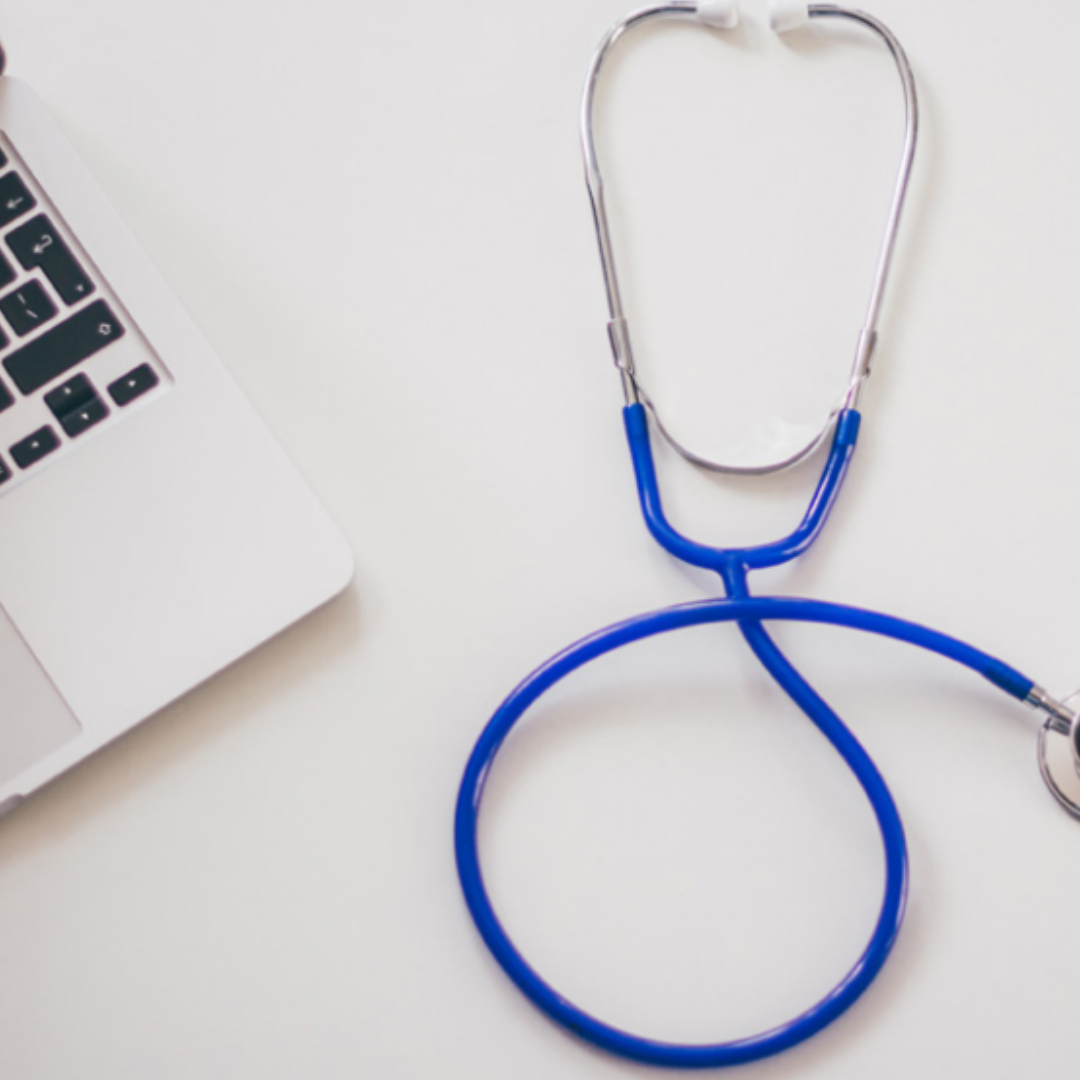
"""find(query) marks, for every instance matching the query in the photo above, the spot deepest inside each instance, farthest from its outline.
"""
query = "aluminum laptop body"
(151, 529)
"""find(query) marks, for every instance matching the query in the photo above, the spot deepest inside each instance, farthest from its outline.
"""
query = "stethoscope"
(734, 565)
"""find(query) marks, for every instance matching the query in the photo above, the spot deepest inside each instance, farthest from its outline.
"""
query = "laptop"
(152, 531)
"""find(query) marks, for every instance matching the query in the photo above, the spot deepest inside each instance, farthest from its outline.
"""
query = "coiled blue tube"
(750, 613)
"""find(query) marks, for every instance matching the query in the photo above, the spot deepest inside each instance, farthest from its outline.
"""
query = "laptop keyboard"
(70, 358)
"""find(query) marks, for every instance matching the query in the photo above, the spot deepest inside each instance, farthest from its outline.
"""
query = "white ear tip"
(723, 14)
(785, 15)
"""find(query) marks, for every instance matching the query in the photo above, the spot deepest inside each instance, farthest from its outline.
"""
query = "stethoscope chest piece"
(1063, 781)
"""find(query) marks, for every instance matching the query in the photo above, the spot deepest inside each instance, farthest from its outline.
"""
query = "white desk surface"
(375, 212)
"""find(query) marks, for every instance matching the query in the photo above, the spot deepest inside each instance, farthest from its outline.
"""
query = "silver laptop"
(151, 529)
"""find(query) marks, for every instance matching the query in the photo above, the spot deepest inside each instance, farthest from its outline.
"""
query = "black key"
(76, 405)
(38, 243)
(5, 472)
(6, 400)
(76, 422)
(63, 347)
(35, 447)
(7, 274)
(27, 308)
(133, 384)
(70, 395)
(15, 198)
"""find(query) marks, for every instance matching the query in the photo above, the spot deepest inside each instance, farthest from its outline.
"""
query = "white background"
(376, 213)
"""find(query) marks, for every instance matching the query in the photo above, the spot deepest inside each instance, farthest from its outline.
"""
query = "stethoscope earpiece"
(788, 15)
(784, 15)
(722, 14)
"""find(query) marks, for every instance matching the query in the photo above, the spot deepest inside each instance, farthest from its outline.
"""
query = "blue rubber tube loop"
(733, 565)
(750, 612)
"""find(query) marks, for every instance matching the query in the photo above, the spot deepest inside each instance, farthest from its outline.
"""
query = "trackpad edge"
(35, 720)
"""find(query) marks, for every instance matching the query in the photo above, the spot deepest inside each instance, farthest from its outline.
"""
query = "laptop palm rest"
(34, 718)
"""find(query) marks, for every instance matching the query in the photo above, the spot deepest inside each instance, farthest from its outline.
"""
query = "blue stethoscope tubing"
(750, 613)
